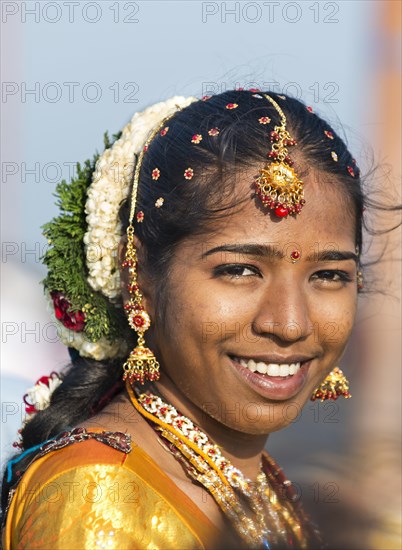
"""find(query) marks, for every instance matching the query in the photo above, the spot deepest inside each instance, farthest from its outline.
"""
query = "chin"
(258, 419)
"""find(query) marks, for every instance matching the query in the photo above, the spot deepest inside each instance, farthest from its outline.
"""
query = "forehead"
(326, 219)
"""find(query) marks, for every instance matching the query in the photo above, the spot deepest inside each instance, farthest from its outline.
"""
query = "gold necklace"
(263, 513)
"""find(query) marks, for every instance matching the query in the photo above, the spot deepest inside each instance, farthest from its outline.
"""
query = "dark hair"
(190, 207)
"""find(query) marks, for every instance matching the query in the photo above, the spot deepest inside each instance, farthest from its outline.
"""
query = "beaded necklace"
(265, 513)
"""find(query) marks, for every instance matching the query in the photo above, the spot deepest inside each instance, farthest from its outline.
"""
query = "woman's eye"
(332, 276)
(235, 271)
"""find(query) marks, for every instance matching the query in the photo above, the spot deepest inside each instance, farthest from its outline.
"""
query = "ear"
(142, 281)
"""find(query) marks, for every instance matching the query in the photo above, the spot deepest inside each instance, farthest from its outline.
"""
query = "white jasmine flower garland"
(111, 185)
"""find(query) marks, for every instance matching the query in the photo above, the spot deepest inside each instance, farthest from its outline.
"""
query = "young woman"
(227, 231)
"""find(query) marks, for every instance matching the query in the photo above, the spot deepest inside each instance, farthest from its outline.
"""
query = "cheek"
(203, 312)
(188, 323)
(333, 320)
(198, 324)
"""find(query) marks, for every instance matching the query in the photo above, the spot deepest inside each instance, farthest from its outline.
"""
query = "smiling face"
(277, 297)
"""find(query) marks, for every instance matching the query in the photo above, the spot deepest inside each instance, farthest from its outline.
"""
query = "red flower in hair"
(73, 320)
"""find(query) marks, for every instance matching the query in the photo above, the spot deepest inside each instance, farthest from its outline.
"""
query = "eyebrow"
(266, 250)
(332, 256)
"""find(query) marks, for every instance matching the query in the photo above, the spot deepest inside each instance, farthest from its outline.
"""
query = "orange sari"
(89, 495)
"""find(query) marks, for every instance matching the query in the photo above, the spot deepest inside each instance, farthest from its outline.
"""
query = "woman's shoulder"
(67, 453)
(96, 488)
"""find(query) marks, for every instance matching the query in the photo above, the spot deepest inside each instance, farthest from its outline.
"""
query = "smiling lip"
(276, 388)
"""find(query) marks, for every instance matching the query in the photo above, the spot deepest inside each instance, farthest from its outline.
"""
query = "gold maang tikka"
(141, 364)
(278, 186)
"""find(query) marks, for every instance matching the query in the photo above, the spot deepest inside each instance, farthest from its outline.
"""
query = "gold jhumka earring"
(333, 386)
(141, 364)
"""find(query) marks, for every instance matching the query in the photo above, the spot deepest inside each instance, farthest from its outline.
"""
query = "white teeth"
(252, 365)
(292, 368)
(284, 370)
(270, 369)
(262, 368)
(273, 369)
(248, 364)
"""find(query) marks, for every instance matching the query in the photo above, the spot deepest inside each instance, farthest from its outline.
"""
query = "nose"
(284, 311)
